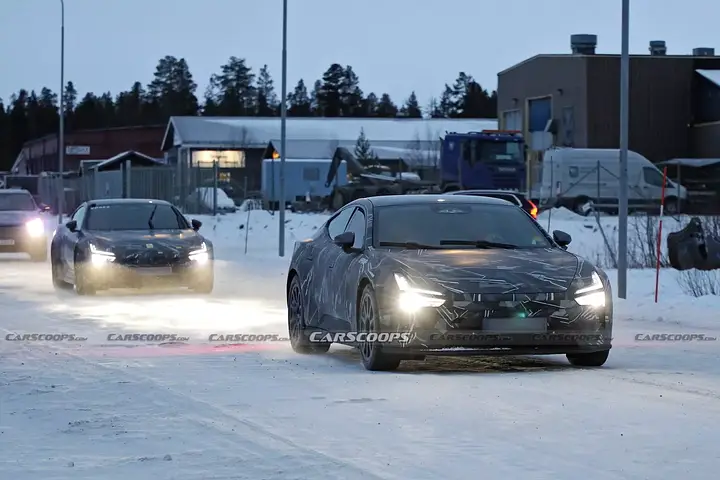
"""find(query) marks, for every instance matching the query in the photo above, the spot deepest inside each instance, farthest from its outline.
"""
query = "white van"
(576, 177)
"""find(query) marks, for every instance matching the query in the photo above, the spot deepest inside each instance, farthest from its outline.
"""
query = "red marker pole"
(659, 243)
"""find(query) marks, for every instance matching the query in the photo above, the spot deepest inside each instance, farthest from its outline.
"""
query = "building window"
(311, 174)
(225, 158)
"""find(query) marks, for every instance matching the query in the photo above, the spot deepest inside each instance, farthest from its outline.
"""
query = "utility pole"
(61, 133)
(283, 121)
(624, 145)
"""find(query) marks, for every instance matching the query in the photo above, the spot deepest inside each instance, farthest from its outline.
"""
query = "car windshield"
(134, 216)
(457, 225)
(17, 202)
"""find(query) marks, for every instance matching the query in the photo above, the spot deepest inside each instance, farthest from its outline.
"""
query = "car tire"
(299, 342)
(57, 274)
(82, 286)
(205, 286)
(594, 359)
(371, 354)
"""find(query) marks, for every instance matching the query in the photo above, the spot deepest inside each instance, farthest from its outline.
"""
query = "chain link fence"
(194, 190)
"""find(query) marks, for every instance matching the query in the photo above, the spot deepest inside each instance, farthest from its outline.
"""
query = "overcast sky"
(395, 46)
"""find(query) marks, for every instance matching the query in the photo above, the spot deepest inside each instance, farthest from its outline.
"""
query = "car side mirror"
(71, 225)
(345, 240)
(561, 238)
(196, 224)
(44, 208)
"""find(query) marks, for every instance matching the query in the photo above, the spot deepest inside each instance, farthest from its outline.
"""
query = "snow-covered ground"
(201, 412)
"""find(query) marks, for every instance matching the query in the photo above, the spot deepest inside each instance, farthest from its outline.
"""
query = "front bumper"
(17, 239)
(114, 275)
(500, 325)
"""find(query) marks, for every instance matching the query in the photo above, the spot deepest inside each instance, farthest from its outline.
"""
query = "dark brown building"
(41, 155)
(674, 100)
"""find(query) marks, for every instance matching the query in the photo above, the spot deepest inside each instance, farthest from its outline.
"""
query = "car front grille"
(10, 231)
(471, 314)
(151, 258)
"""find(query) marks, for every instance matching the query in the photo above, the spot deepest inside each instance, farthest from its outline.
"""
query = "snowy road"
(203, 413)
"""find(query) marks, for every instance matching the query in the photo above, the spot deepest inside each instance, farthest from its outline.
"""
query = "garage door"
(540, 111)
(512, 120)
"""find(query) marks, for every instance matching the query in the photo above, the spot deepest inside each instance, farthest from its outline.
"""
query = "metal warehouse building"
(574, 100)
(239, 144)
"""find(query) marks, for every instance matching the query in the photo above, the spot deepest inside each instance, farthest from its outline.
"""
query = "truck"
(489, 159)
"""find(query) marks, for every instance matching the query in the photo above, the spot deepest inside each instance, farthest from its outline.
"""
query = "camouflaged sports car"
(402, 277)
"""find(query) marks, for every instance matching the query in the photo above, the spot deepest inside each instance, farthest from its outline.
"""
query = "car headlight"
(35, 228)
(593, 295)
(100, 257)
(201, 255)
(412, 299)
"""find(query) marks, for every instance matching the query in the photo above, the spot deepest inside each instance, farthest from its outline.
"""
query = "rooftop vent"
(703, 52)
(658, 48)
(583, 44)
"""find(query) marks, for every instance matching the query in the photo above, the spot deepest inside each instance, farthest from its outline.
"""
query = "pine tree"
(329, 97)
(363, 149)
(267, 101)
(411, 108)
(386, 108)
(299, 102)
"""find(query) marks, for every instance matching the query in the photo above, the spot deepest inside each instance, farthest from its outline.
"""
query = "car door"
(323, 293)
(70, 239)
(345, 271)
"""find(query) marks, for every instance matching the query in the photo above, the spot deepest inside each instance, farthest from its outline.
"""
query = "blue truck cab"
(490, 159)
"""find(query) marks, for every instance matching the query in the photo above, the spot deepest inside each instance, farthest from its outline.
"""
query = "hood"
(16, 217)
(489, 271)
(129, 241)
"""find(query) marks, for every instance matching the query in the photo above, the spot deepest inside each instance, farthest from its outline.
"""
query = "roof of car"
(393, 200)
(126, 201)
(485, 192)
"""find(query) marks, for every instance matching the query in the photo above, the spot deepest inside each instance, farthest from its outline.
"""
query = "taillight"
(533, 209)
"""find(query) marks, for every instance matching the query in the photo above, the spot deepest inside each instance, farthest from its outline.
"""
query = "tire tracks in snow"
(249, 436)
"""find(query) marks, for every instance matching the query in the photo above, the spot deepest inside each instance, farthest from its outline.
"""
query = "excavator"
(368, 181)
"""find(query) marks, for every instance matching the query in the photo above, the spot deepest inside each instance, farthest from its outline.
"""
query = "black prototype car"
(402, 277)
(22, 229)
(120, 243)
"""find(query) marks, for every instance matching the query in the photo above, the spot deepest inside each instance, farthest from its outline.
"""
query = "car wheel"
(373, 358)
(296, 322)
(57, 274)
(82, 283)
(594, 359)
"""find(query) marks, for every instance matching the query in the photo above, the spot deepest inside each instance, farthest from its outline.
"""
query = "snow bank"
(206, 197)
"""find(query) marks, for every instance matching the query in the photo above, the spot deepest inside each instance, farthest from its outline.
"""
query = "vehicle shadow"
(465, 364)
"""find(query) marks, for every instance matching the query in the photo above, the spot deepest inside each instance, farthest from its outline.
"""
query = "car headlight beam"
(100, 257)
(35, 228)
(593, 295)
(201, 255)
(412, 299)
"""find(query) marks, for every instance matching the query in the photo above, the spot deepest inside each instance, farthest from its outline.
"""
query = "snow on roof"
(254, 132)
(313, 149)
(145, 159)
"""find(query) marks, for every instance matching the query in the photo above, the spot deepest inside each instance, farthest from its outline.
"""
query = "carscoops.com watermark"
(44, 337)
(246, 338)
(674, 337)
(361, 337)
(146, 337)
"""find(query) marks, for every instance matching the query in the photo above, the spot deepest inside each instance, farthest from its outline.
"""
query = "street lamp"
(61, 134)
(624, 143)
(283, 119)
